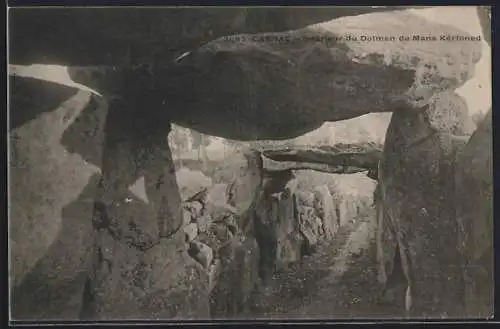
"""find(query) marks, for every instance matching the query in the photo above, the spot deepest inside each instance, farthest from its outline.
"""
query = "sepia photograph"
(250, 163)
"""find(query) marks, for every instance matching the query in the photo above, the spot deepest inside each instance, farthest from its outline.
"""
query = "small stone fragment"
(201, 253)
(186, 217)
(191, 231)
(203, 223)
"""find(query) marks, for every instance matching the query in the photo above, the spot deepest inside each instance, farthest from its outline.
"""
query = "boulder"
(41, 37)
(290, 248)
(186, 217)
(264, 213)
(248, 176)
(191, 231)
(310, 57)
(309, 225)
(364, 155)
(238, 277)
(355, 73)
(219, 232)
(418, 207)
(178, 291)
(288, 241)
(285, 221)
(474, 206)
(195, 208)
(325, 209)
(202, 253)
(203, 222)
(51, 204)
(134, 274)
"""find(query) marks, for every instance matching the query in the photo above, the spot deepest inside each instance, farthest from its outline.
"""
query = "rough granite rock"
(418, 216)
(474, 205)
(202, 253)
(163, 282)
(237, 279)
(363, 155)
(325, 209)
(231, 260)
(247, 177)
(51, 204)
(195, 208)
(186, 216)
(306, 219)
(359, 77)
(203, 223)
(366, 78)
(474, 169)
(347, 207)
(287, 249)
(294, 76)
(137, 35)
(290, 249)
(191, 231)
(263, 214)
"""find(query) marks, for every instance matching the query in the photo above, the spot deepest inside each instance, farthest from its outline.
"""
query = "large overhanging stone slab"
(281, 85)
(348, 156)
(125, 37)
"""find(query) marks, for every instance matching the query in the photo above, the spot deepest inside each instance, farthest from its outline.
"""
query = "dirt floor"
(339, 281)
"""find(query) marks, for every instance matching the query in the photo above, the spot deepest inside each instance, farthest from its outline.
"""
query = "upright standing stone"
(141, 268)
(326, 211)
(474, 202)
(417, 190)
(51, 200)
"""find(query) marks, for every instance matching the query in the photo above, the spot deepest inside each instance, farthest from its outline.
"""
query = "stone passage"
(292, 217)
(146, 260)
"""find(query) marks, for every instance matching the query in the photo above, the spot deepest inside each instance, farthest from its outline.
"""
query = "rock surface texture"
(225, 244)
(128, 36)
(474, 189)
(434, 207)
(51, 203)
(317, 75)
(295, 213)
(417, 186)
(350, 77)
(474, 202)
(156, 257)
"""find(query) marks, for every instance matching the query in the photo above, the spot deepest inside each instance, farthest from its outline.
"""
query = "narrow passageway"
(338, 281)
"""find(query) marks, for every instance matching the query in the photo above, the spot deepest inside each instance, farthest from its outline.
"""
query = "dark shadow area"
(354, 295)
(30, 97)
(85, 135)
(106, 36)
(53, 288)
(57, 287)
(264, 221)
